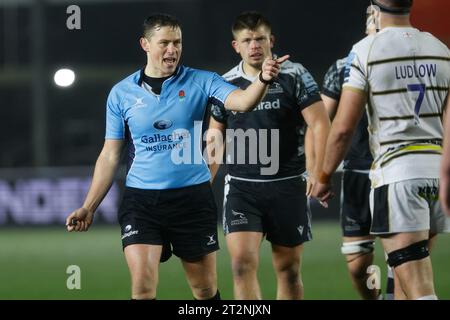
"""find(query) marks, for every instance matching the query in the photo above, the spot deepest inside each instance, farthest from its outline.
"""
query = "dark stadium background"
(51, 136)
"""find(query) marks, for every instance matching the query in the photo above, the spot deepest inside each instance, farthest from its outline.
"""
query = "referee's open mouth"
(170, 61)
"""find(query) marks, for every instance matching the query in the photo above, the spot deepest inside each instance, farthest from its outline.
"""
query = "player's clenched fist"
(79, 220)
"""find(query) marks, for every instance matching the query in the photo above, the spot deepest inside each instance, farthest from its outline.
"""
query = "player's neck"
(249, 70)
(394, 21)
(154, 72)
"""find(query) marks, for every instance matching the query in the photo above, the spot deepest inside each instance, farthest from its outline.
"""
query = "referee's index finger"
(283, 58)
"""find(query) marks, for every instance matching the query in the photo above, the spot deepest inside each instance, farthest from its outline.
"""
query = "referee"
(155, 112)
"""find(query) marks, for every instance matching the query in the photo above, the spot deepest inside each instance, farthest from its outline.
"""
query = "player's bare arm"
(444, 190)
(310, 159)
(331, 105)
(215, 145)
(318, 123)
(350, 111)
(245, 100)
(104, 172)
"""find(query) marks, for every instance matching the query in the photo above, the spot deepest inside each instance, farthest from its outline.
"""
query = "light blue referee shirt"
(164, 132)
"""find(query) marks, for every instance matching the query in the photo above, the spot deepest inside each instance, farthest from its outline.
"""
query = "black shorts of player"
(183, 220)
(355, 209)
(278, 209)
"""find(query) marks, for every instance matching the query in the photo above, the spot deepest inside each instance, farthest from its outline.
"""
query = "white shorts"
(408, 206)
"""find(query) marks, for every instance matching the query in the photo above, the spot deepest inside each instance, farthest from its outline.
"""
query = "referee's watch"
(268, 82)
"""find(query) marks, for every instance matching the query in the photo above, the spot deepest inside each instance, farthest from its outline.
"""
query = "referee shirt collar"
(141, 75)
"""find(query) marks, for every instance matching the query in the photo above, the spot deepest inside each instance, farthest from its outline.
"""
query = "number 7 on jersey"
(421, 88)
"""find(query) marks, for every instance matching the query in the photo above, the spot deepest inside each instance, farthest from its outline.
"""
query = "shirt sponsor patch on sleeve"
(348, 66)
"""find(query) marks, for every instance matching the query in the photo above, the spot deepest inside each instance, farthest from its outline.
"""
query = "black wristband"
(269, 82)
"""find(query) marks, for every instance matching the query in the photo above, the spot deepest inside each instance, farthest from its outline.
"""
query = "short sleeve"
(332, 84)
(219, 113)
(307, 91)
(354, 76)
(115, 126)
(219, 90)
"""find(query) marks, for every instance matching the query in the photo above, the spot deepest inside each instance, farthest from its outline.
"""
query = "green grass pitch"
(33, 265)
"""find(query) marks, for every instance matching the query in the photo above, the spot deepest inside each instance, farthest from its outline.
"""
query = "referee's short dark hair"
(251, 20)
(158, 20)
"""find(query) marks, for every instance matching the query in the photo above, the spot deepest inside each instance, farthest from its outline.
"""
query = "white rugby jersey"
(406, 74)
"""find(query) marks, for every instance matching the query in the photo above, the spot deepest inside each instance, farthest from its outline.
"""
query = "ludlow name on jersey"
(415, 71)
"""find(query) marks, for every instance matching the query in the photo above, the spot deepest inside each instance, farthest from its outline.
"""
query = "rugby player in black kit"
(265, 192)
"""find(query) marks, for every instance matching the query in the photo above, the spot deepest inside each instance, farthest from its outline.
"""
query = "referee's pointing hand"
(271, 67)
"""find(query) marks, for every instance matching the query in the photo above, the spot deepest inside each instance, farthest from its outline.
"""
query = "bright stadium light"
(64, 77)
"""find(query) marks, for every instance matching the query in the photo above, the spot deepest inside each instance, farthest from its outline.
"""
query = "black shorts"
(355, 208)
(278, 209)
(184, 218)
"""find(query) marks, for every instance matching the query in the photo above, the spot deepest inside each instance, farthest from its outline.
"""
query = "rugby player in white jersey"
(358, 244)
(404, 76)
(444, 189)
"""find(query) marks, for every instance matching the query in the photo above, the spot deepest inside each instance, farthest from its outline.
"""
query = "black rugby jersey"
(294, 90)
(359, 156)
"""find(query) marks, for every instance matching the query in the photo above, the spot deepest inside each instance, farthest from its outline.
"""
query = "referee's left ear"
(144, 44)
